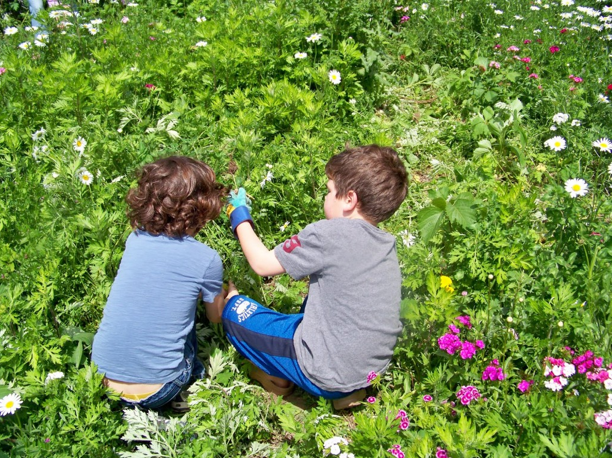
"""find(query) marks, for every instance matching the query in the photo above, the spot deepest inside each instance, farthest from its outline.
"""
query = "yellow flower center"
(557, 144)
(576, 187)
(79, 143)
(10, 404)
(603, 145)
(86, 177)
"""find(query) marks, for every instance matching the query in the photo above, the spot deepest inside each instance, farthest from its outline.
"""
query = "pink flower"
(526, 59)
(577, 79)
(495, 65)
(498, 46)
(401, 414)
(480, 344)
(512, 49)
(528, 41)
(125, 19)
(404, 424)
(152, 38)
(554, 49)
(598, 362)
(371, 399)
(563, 30)
(468, 394)
(150, 87)
(427, 398)
(467, 350)
(534, 76)
(449, 342)
(441, 453)
(493, 373)
(464, 320)
(525, 385)
(454, 329)
(371, 376)
(2, 70)
(464, 293)
(404, 19)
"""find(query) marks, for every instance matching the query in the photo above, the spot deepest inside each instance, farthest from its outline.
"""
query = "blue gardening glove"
(238, 209)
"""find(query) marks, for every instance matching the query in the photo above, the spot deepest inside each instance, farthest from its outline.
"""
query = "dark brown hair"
(376, 174)
(175, 196)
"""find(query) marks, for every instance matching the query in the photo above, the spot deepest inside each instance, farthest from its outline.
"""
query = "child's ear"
(350, 201)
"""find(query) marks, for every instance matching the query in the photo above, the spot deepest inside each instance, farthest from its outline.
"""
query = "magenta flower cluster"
(524, 385)
(559, 371)
(441, 453)
(592, 367)
(371, 377)
(468, 394)
(493, 372)
(451, 343)
(396, 450)
(402, 416)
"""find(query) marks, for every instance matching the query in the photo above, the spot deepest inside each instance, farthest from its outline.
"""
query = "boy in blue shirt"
(146, 345)
(349, 323)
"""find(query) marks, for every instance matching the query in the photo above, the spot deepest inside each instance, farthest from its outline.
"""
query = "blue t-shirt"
(151, 307)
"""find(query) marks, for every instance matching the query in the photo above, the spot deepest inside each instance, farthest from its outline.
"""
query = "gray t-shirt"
(351, 321)
(151, 307)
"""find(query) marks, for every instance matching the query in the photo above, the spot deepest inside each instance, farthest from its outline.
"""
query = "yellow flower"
(446, 283)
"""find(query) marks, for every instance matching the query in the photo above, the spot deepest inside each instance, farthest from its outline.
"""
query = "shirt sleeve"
(212, 283)
(302, 254)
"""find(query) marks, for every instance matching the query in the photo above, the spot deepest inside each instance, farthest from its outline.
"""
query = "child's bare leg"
(350, 401)
(276, 385)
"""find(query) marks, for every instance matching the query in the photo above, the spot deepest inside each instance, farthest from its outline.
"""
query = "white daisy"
(9, 404)
(11, 30)
(284, 226)
(424, 6)
(600, 98)
(201, 44)
(576, 123)
(603, 144)
(132, 4)
(556, 143)
(315, 37)
(31, 28)
(560, 118)
(576, 187)
(85, 177)
(39, 134)
(53, 376)
(567, 2)
(300, 55)
(200, 19)
(334, 76)
(93, 30)
(40, 44)
(25, 45)
(96, 21)
(79, 144)
(408, 238)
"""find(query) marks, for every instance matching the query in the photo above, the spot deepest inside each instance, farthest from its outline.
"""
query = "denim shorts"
(193, 369)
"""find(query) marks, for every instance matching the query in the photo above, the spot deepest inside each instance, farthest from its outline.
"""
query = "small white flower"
(567, 2)
(9, 404)
(267, 178)
(25, 45)
(334, 76)
(284, 226)
(553, 127)
(132, 4)
(610, 169)
(39, 134)
(498, 12)
(424, 6)
(200, 19)
(40, 44)
(600, 98)
(31, 28)
(353, 101)
(96, 21)
(53, 376)
(576, 187)
(201, 44)
(118, 179)
(11, 30)
(560, 118)
(79, 144)
(93, 30)
(335, 449)
(85, 177)
(569, 370)
(556, 143)
(509, 319)
(314, 38)
(576, 123)
(300, 55)
(408, 238)
(491, 277)
(603, 144)
(608, 384)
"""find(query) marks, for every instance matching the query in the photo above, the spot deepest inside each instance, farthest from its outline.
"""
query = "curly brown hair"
(376, 174)
(176, 196)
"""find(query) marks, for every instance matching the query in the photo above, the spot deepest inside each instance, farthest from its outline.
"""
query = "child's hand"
(239, 198)
(238, 209)
(231, 291)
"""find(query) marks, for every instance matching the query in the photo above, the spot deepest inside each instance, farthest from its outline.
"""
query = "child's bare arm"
(214, 309)
(261, 260)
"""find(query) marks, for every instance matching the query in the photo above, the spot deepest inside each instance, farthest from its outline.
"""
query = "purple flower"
(405, 19)
(468, 394)
(441, 453)
(47, 440)
(468, 350)
(554, 49)
(465, 320)
(524, 385)
(454, 329)
(371, 376)
(404, 424)
(449, 342)
(2, 70)
(480, 344)
(371, 399)
(427, 398)
(493, 373)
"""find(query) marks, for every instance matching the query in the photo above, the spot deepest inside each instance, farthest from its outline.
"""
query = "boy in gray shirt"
(347, 330)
